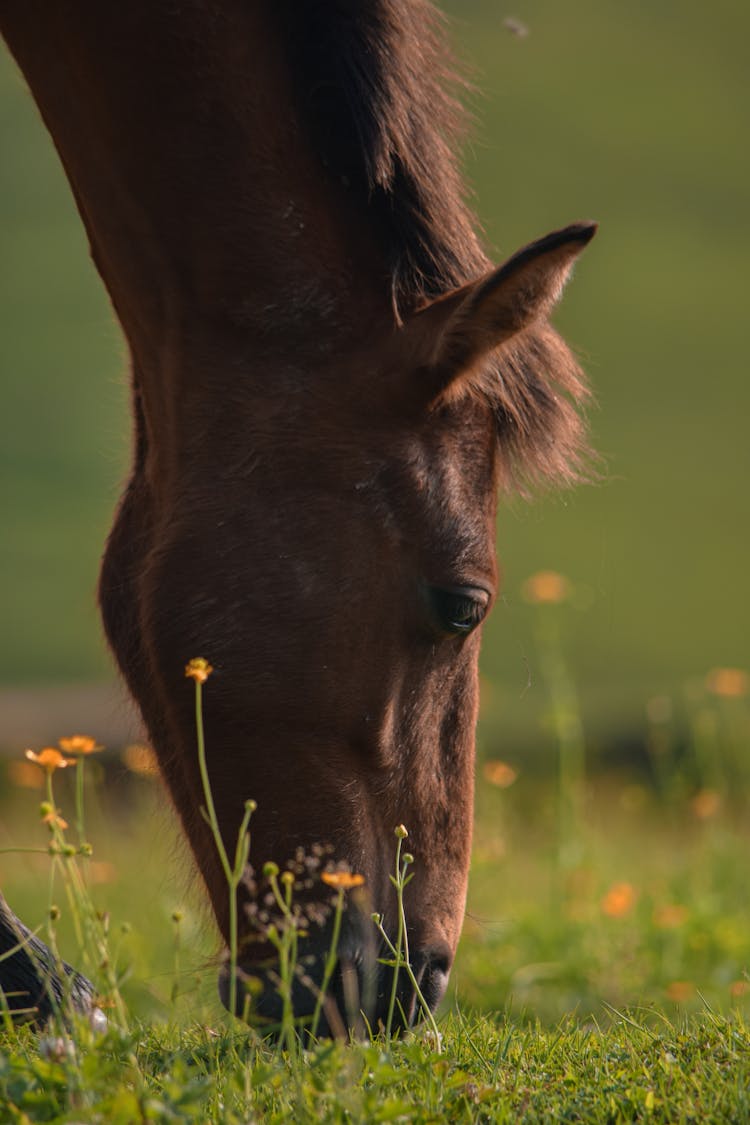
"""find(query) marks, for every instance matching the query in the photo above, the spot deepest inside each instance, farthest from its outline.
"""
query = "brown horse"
(330, 386)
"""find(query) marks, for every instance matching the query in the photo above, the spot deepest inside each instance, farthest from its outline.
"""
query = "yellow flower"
(79, 744)
(198, 669)
(705, 804)
(25, 775)
(680, 990)
(342, 880)
(670, 916)
(500, 774)
(54, 820)
(547, 587)
(729, 683)
(102, 872)
(140, 759)
(50, 759)
(619, 900)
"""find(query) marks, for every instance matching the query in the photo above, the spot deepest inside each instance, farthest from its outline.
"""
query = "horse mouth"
(362, 997)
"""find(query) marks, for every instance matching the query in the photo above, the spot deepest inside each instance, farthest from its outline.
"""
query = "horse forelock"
(537, 391)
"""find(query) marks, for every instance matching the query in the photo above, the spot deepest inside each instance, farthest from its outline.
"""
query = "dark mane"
(378, 87)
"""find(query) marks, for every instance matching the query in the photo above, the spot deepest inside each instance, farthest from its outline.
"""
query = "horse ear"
(457, 331)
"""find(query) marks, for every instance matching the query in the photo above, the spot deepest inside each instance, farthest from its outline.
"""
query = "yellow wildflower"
(198, 669)
(79, 744)
(705, 804)
(140, 759)
(680, 990)
(546, 587)
(619, 900)
(54, 820)
(50, 759)
(670, 916)
(500, 774)
(100, 871)
(26, 775)
(729, 683)
(342, 880)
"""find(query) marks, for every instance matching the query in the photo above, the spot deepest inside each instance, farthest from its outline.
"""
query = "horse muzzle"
(363, 996)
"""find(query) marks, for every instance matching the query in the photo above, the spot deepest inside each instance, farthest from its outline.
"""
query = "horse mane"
(379, 88)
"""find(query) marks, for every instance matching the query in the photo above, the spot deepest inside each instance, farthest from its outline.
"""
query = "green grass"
(641, 1069)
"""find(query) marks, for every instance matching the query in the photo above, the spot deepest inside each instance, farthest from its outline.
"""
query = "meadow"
(602, 975)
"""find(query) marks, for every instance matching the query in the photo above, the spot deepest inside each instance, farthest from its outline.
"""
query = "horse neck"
(207, 211)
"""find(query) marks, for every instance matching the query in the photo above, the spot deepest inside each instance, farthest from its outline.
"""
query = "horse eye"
(459, 609)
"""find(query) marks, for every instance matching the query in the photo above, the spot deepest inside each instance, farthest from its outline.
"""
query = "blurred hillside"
(635, 115)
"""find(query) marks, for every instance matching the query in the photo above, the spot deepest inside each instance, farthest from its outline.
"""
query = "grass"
(640, 1069)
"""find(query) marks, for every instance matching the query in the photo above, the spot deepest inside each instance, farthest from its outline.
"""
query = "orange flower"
(619, 900)
(140, 759)
(680, 990)
(670, 916)
(54, 820)
(342, 880)
(50, 759)
(25, 775)
(79, 744)
(198, 669)
(102, 872)
(729, 683)
(500, 774)
(705, 804)
(547, 587)
(739, 988)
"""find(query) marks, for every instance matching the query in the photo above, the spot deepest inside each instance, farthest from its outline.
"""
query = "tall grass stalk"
(233, 873)
(90, 927)
(284, 939)
(330, 964)
(400, 960)
(565, 713)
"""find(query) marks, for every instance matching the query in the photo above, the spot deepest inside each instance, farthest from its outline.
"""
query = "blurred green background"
(635, 115)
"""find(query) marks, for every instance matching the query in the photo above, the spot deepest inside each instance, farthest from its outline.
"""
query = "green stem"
(79, 799)
(330, 962)
(399, 944)
(208, 795)
(566, 717)
(242, 851)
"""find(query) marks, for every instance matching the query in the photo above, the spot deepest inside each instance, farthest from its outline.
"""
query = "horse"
(331, 386)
